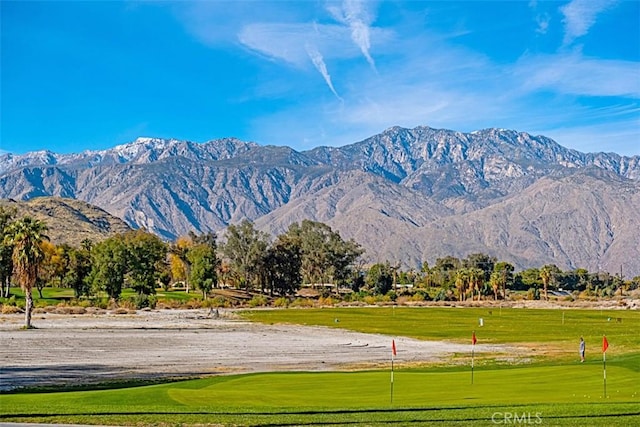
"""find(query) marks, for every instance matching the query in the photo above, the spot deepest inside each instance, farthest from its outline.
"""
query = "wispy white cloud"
(318, 62)
(357, 16)
(580, 16)
(298, 42)
(579, 75)
(280, 41)
(542, 19)
(605, 136)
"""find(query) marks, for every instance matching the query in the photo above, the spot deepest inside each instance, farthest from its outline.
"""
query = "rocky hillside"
(407, 195)
(69, 221)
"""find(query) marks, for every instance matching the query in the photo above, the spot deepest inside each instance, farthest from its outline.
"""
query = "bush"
(441, 295)
(372, 299)
(281, 302)
(390, 296)
(10, 309)
(326, 301)
(302, 302)
(258, 301)
(143, 301)
(533, 294)
(13, 301)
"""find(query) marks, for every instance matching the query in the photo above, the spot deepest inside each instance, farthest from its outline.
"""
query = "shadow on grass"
(80, 377)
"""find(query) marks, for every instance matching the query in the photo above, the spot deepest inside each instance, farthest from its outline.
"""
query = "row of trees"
(247, 259)
(309, 252)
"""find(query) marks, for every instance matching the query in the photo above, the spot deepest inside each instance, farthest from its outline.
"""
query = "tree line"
(245, 258)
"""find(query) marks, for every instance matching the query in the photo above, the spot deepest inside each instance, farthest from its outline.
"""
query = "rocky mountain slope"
(69, 221)
(407, 195)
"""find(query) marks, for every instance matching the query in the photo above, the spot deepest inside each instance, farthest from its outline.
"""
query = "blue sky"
(90, 75)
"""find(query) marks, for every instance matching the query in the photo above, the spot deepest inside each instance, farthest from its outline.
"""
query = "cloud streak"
(578, 75)
(355, 15)
(318, 62)
(580, 16)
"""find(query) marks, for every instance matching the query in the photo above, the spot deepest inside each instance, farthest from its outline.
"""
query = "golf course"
(535, 379)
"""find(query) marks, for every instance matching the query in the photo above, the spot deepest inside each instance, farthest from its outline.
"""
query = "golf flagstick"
(393, 353)
(605, 346)
(473, 346)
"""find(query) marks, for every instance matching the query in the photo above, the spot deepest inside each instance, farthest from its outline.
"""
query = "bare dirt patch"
(92, 348)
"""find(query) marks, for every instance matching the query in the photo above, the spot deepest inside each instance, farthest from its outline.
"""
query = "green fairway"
(555, 389)
(541, 329)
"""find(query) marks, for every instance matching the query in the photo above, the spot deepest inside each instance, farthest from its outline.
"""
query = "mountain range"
(406, 195)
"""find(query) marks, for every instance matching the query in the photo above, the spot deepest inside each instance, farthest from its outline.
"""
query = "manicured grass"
(559, 395)
(539, 329)
(555, 390)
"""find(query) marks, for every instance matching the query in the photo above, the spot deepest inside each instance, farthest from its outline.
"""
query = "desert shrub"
(85, 303)
(77, 310)
(371, 299)
(390, 296)
(169, 304)
(192, 303)
(40, 304)
(281, 302)
(140, 301)
(10, 309)
(258, 301)
(441, 295)
(126, 304)
(13, 301)
(326, 301)
(303, 302)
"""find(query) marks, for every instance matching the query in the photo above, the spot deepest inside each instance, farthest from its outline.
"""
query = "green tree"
(476, 281)
(78, 270)
(326, 257)
(245, 248)
(548, 275)
(379, 278)
(444, 271)
(180, 266)
(480, 261)
(462, 283)
(108, 266)
(204, 267)
(504, 272)
(281, 267)
(26, 236)
(145, 251)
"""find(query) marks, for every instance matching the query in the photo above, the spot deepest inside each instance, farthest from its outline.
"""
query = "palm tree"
(475, 276)
(462, 276)
(546, 275)
(25, 236)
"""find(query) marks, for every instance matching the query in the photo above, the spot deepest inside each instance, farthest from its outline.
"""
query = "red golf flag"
(605, 344)
(393, 347)
(473, 338)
